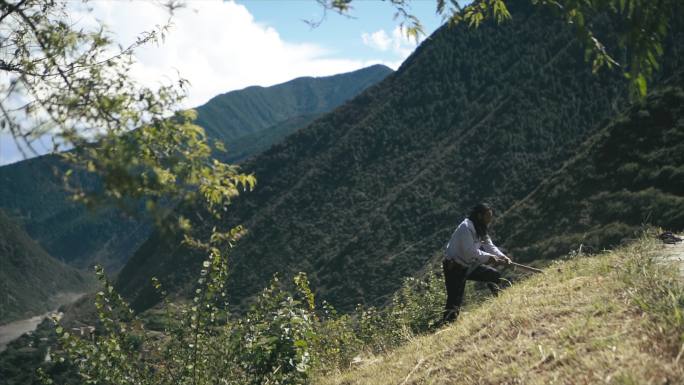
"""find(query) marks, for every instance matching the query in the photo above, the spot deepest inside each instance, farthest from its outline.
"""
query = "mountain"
(255, 143)
(31, 281)
(628, 174)
(32, 193)
(247, 121)
(254, 110)
(370, 192)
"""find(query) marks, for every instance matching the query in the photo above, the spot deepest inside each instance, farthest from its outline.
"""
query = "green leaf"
(641, 85)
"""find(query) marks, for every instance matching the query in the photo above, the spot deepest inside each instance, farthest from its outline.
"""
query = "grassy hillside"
(366, 194)
(586, 320)
(247, 121)
(628, 174)
(30, 279)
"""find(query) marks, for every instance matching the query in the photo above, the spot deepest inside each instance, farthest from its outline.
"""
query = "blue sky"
(221, 46)
(343, 34)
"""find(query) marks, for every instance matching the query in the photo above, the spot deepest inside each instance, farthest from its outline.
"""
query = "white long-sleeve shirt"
(464, 247)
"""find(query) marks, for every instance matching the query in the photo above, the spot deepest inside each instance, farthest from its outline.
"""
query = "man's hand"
(499, 260)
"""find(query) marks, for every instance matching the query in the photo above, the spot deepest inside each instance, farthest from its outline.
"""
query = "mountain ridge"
(300, 96)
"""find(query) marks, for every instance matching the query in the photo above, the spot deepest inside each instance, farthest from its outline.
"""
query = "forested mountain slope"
(254, 110)
(30, 279)
(246, 121)
(629, 174)
(32, 193)
(368, 193)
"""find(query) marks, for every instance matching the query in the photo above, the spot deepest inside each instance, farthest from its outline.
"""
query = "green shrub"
(282, 339)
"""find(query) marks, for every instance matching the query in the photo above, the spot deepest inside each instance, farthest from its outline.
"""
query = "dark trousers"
(455, 277)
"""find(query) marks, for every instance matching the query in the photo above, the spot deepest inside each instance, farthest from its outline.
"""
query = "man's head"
(481, 214)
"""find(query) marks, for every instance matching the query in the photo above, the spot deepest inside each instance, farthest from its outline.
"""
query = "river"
(13, 330)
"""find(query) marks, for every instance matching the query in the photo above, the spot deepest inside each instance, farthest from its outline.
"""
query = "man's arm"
(489, 246)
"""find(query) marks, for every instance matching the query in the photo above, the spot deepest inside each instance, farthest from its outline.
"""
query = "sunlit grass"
(611, 318)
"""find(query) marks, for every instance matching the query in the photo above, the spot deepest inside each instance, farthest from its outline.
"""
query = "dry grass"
(576, 324)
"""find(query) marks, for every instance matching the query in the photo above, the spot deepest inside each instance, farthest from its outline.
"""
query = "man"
(466, 254)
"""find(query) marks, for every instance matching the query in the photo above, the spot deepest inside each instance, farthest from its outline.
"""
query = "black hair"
(476, 214)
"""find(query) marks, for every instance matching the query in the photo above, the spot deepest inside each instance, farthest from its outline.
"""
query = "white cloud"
(218, 46)
(398, 42)
(378, 40)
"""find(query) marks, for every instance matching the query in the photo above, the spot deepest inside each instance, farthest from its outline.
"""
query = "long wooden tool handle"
(525, 267)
